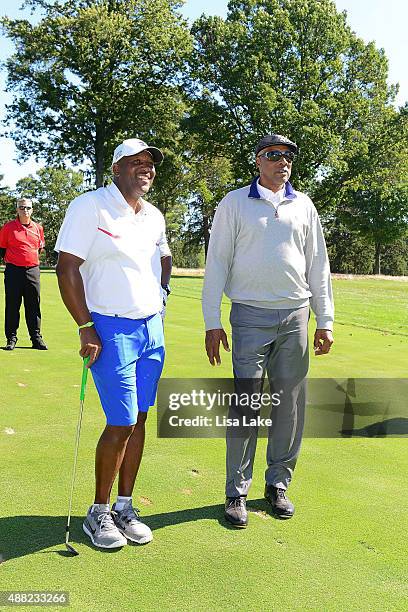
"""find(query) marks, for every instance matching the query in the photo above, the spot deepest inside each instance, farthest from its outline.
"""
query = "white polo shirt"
(121, 252)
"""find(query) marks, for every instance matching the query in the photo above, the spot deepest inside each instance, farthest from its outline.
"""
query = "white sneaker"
(100, 527)
(128, 522)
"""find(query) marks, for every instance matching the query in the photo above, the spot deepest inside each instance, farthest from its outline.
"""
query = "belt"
(10, 265)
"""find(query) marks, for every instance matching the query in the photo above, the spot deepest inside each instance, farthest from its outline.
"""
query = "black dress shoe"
(11, 343)
(282, 507)
(236, 512)
(39, 344)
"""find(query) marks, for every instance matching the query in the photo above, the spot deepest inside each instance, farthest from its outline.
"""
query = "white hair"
(25, 200)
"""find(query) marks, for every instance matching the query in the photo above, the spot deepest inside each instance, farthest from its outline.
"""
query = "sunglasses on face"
(275, 156)
(25, 208)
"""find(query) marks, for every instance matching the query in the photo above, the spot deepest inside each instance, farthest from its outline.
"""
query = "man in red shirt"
(21, 241)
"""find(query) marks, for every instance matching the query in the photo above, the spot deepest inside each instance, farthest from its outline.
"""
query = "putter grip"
(84, 377)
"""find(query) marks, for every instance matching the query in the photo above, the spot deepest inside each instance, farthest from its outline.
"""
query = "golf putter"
(69, 547)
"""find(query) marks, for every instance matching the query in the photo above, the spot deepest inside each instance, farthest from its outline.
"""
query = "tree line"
(89, 73)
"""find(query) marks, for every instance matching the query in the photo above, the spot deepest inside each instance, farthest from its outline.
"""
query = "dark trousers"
(22, 283)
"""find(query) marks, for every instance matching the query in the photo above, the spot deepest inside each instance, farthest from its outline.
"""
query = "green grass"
(345, 549)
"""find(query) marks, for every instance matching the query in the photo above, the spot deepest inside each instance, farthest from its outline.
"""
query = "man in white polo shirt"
(113, 270)
(268, 254)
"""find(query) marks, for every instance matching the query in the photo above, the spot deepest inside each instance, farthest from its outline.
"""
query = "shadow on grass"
(18, 348)
(26, 535)
(390, 427)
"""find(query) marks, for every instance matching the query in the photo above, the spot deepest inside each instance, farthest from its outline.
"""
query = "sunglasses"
(25, 208)
(275, 156)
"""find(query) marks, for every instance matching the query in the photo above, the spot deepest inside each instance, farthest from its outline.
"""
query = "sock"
(121, 502)
(100, 508)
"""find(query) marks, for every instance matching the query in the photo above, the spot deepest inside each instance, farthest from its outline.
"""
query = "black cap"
(275, 139)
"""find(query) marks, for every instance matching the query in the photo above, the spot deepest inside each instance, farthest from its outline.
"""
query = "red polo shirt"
(21, 242)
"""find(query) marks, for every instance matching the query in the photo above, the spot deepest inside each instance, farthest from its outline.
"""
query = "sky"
(381, 21)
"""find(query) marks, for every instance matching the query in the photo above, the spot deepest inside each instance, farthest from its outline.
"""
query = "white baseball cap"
(133, 146)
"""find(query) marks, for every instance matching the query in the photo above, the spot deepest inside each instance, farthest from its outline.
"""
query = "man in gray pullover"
(268, 255)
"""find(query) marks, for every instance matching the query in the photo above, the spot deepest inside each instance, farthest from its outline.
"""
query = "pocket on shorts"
(106, 327)
(155, 329)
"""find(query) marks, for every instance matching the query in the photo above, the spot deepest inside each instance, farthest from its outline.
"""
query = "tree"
(51, 190)
(7, 204)
(92, 72)
(395, 257)
(349, 253)
(289, 67)
(373, 199)
(211, 179)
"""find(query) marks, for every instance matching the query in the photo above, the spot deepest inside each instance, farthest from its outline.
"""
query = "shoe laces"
(238, 502)
(281, 493)
(105, 521)
(129, 514)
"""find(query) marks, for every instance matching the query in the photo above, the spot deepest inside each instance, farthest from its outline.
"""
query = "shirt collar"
(30, 224)
(275, 197)
(117, 195)
(288, 193)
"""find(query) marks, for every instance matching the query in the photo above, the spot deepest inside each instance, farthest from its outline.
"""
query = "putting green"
(345, 549)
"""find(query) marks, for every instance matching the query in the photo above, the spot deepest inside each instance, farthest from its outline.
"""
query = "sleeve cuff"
(213, 323)
(324, 322)
(165, 252)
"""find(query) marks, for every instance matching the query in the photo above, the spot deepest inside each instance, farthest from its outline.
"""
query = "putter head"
(71, 549)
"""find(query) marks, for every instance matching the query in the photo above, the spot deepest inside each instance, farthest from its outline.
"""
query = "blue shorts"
(129, 366)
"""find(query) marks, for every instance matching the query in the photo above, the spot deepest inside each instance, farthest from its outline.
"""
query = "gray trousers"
(275, 342)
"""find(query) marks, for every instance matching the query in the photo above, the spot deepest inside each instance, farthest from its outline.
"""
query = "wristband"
(89, 324)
